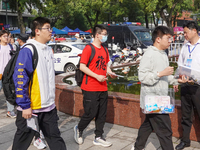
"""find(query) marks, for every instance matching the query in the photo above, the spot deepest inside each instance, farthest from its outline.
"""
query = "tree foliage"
(84, 14)
(168, 10)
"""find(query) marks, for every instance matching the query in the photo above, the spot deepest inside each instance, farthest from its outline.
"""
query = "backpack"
(12, 51)
(78, 73)
(7, 79)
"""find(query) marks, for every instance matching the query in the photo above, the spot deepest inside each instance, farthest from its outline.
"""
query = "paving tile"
(126, 136)
(72, 145)
(128, 147)
(118, 144)
(122, 137)
(115, 126)
(174, 139)
(152, 143)
(195, 144)
(5, 146)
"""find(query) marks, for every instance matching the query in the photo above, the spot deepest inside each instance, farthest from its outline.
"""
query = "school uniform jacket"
(43, 85)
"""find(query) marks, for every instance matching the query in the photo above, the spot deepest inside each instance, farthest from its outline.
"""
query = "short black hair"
(2, 32)
(98, 29)
(23, 37)
(38, 23)
(160, 31)
(191, 25)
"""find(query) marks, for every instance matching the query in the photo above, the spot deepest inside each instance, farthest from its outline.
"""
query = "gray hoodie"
(152, 62)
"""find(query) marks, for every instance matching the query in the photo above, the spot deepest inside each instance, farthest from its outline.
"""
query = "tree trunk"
(89, 20)
(167, 19)
(97, 17)
(146, 20)
(154, 20)
(20, 18)
(174, 19)
(169, 23)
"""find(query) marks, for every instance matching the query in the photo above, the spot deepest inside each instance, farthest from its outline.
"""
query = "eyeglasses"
(104, 34)
(170, 39)
(49, 29)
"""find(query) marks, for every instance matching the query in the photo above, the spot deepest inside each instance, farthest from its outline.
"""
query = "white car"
(66, 55)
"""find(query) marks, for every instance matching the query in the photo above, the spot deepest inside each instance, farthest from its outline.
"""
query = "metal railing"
(174, 51)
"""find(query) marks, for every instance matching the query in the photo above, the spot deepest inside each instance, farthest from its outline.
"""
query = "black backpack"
(7, 79)
(78, 73)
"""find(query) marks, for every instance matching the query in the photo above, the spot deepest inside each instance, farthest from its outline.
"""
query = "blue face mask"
(104, 38)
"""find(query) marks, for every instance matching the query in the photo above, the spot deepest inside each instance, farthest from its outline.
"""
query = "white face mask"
(104, 38)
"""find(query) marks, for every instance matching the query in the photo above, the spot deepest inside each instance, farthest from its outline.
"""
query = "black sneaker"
(182, 145)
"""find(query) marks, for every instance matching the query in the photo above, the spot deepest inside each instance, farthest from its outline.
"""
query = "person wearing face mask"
(95, 91)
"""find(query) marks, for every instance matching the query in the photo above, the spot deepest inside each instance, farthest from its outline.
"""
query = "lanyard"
(192, 49)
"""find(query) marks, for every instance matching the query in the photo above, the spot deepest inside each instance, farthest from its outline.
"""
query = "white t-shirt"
(4, 57)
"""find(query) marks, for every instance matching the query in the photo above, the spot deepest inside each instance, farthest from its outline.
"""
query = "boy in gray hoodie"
(155, 74)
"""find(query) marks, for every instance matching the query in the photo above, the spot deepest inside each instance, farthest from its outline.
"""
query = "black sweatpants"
(95, 106)
(190, 98)
(49, 126)
(161, 124)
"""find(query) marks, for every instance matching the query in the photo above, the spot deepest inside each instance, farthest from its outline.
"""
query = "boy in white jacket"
(155, 74)
(39, 99)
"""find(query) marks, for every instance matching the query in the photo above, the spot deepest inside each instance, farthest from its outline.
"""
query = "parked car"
(66, 55)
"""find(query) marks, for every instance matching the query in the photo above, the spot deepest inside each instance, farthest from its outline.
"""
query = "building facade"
(12, 17)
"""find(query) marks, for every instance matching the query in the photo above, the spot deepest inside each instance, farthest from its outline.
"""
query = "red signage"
(72, 33)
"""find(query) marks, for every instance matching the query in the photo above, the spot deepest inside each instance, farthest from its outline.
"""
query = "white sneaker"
(132, 148)
(39, 144)
(102, 142)
(41, 135)
(78, 135)
(11, 114)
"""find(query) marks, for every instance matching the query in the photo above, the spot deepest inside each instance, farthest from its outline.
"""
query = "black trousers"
(161, 124)
(190, 98)
(49, 126)
(95, 106)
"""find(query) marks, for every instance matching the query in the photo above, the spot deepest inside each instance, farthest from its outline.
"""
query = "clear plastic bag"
(192, 73)
(160, 104)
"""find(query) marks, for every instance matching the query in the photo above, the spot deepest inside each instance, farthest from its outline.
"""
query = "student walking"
(94, 88)
(37, 97)
(154, 75)
(38, 142)
(5, 56)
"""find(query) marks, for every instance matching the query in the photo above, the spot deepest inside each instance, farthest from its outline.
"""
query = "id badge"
(188, 63)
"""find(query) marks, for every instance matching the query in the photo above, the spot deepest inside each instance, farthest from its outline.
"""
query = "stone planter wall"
(123, 109)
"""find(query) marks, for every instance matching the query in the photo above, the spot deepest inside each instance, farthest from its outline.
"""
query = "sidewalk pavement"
(122, 137)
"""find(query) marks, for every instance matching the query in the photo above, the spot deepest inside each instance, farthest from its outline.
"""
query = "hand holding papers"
(193, 75)
(115, 75)
(33, 123)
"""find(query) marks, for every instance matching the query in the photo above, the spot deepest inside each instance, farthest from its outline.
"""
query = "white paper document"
(33, 123)
(194, 74)
(116, 75)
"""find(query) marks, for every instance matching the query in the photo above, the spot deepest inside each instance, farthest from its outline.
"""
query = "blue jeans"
(10, 107)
